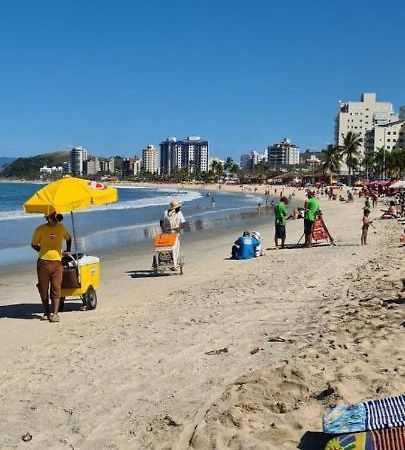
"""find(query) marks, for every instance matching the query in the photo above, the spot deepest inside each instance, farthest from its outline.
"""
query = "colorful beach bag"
(370, 415)
(389, 439)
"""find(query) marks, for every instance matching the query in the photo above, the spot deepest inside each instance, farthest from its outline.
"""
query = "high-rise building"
(92, 166)
(150, 159)
(191, 153)
(359, 117)
(131, 166)
(78, 155)
(390, 136)
(283, 154)
(249, 160)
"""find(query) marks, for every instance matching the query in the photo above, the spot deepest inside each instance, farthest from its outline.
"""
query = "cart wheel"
(62, 304)
(90, 298)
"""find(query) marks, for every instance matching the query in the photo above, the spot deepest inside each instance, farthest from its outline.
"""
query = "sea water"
(134, 218)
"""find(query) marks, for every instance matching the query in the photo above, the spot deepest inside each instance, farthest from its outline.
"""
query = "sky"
(115, 76)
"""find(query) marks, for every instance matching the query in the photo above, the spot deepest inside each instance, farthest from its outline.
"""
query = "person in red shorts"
(47, 241)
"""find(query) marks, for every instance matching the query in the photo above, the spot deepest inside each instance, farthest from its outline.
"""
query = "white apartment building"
(249, 160)
(390, 136)
(359, 117)
(283, 154)
(92, 166)
(150, 159)
(78, 155)
(192, 154)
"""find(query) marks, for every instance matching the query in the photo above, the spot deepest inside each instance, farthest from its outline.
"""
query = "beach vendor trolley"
(166, 259)
(81, 278)
(81, 273)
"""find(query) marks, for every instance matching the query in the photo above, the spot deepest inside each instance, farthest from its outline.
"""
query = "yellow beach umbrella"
(70, 194)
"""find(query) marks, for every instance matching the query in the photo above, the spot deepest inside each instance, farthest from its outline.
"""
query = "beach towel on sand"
(389, 439)
(370, 415)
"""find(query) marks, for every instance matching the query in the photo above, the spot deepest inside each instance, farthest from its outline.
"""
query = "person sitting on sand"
(391, 212)
(259, 248)
(366, 223)
(245, 247)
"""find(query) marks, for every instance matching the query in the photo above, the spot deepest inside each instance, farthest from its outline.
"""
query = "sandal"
(45, 316)
(54, 318)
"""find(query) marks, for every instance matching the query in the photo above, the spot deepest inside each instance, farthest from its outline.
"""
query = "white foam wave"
(184, 196)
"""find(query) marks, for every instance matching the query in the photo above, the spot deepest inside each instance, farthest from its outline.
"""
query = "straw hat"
(175, 204)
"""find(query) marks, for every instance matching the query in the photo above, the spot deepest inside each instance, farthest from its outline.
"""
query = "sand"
(231, 355)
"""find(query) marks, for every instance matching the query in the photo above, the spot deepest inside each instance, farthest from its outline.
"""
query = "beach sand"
(231, 355)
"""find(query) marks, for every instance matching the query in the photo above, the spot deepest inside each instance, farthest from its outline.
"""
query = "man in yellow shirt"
(47, 241)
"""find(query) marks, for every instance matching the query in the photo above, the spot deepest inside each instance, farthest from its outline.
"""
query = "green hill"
(4, 161)
(28, 168)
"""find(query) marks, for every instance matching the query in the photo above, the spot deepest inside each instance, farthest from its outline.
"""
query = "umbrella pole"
(74, 233)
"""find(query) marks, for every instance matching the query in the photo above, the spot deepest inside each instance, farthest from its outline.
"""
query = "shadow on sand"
(145, 274)
(314, 440)
(32, 310)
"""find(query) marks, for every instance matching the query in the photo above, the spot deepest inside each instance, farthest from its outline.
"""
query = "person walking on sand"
(366, 223)
(280, 212)
(47, 240)
(311, 208)
(172, 219)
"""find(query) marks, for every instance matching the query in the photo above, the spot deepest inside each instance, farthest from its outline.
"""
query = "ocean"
(133, 219)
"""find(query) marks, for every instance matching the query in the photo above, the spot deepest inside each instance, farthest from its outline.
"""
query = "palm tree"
(332, 158)
(379, 161)
(369, 163)
(229, 162)
(350, 151)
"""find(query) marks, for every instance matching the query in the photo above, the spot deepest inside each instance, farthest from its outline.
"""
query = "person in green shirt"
(280, 211)
(311, 209)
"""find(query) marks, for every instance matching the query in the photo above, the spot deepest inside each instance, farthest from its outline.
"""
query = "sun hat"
(175, 204)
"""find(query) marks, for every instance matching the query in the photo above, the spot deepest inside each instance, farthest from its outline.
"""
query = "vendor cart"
(167, 259)
(81, 273)
(81, 279)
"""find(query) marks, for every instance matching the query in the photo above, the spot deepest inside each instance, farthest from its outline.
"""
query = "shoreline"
(141, 361)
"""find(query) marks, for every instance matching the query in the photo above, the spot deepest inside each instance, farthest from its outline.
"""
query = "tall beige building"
(150, 159)
(361, 116)
(390, 136)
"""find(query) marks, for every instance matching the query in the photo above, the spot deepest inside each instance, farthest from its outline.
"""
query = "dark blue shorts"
(308, 226)
(280, 231)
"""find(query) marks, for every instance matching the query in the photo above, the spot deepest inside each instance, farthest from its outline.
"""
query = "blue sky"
(116, 76)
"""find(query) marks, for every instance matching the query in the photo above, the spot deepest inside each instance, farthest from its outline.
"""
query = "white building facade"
(390, 136)
(362, 116)
(150, 159)
(283, 154)
(191, 153)
(78, 156)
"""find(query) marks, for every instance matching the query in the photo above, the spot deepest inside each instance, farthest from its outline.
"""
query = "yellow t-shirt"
(50, 240)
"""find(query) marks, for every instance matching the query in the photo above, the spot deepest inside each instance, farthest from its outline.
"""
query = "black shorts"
(308, 226)
(280, 231)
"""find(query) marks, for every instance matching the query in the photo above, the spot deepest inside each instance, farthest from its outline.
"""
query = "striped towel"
(390, 439)
(371, 415)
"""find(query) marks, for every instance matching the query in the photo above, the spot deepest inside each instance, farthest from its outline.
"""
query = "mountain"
(29, 167)
(4, 161)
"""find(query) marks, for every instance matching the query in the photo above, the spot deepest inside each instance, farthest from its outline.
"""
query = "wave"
(184, 196)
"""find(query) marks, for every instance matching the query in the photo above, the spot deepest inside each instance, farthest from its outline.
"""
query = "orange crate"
(165, 240)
